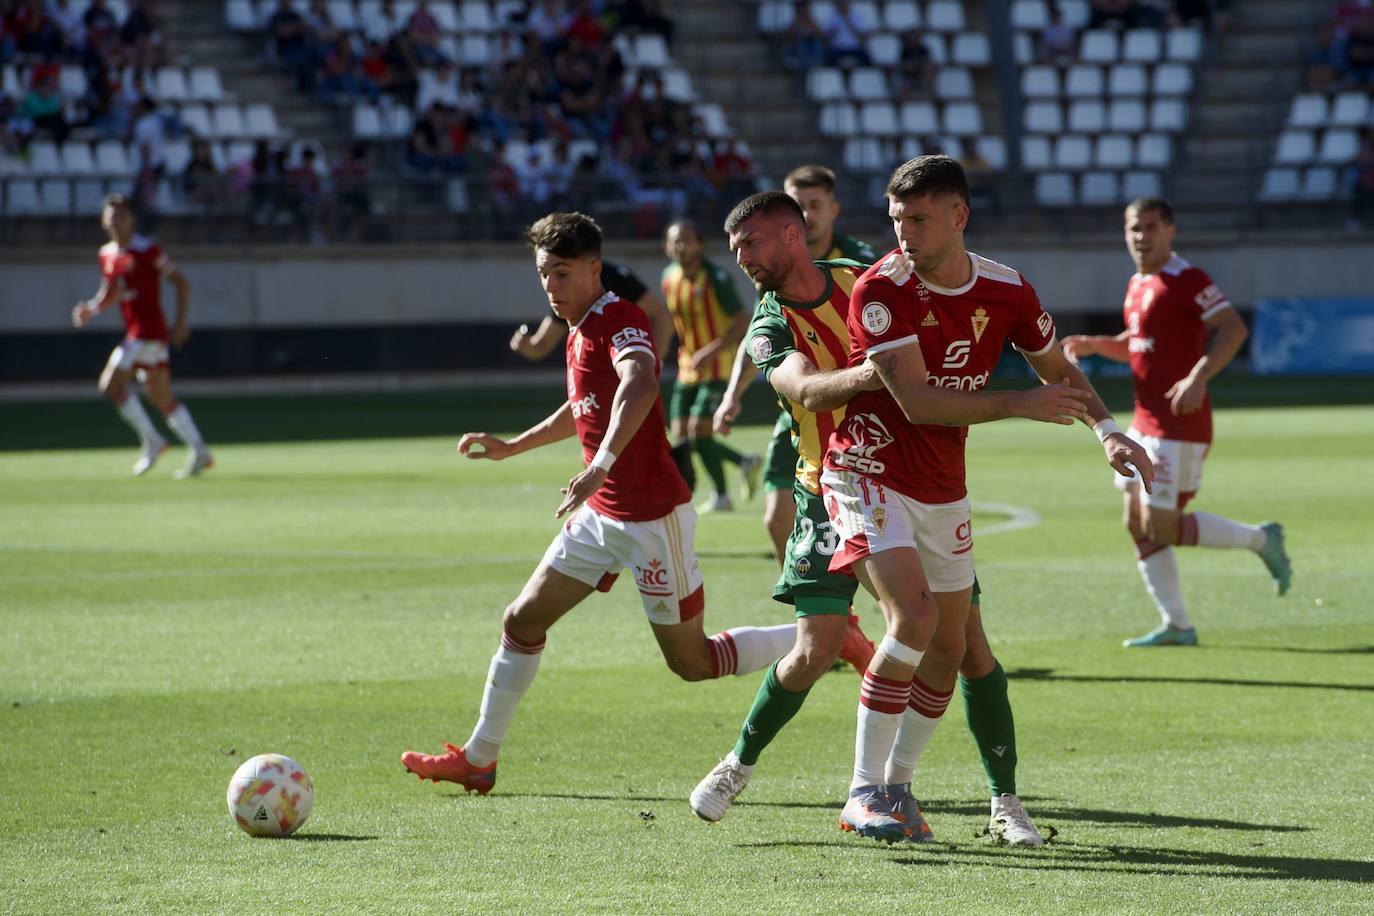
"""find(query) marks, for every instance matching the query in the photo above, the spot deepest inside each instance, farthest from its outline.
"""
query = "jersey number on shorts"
(829, 540)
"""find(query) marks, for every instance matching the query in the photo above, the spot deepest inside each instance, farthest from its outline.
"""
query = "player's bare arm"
(660, 321)
(1228, 333)
(742, 373)
(1117, 348)
(555, 427)
(85, 311)
(817, 390)
(634, 398)
(1123, 453)
(903, 373)
(731, 338)
(181, 331)
(538, 344)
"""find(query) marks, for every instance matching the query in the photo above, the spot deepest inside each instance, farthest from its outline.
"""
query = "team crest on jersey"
(760, 348)
(880, 519)
(876, 318)
(577, 346)
(803, 565)
(930, 321)
(980, 323)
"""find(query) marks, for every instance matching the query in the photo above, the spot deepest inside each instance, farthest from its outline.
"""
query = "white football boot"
(1010, 824)
(719, 788)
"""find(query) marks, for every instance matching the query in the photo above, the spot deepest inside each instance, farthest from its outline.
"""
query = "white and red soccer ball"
(270, 795)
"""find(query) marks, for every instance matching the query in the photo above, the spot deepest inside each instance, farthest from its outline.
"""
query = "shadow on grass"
(324, 838)
(1048, 674)
(1335, 650)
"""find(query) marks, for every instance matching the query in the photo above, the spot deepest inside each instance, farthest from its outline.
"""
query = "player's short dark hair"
(118, 201)
(924, 175)
(1157, 204)
(683, 225)
(768, 203)
(810, 176)
(568, 235)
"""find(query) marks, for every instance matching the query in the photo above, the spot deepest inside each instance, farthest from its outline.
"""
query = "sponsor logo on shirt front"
(869, 436)
(957, 354)
(584, 405)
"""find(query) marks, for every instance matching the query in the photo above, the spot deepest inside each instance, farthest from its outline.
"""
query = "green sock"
(989, 719)
(727, 453)
(709, 450)
(774, 706)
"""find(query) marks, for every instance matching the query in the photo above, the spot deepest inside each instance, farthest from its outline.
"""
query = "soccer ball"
(270, 795)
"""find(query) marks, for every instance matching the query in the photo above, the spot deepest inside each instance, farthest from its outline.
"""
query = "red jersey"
(644, 483)
(136, 273)
(1166, 319)
(961, 333)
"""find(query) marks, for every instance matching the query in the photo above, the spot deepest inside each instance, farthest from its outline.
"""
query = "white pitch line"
(1019, 518)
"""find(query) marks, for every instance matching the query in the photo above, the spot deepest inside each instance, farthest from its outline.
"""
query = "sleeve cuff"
(636, 348)
(1041, 352)
(1223, 304)
(891, 345)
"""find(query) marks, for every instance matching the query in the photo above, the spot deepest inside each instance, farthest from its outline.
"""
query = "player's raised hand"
(1186, 395)
(484, 445)
(579, 490)
(521, 342)
(1058, 403)
(726, 414)
(1124, 453)
(82, 313)
(1077, 346)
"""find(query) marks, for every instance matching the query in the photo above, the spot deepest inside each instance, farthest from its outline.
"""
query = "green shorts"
(807, 582)
(698, 400)
(780, 461)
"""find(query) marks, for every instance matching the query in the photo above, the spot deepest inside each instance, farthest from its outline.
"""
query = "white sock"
(1160, 572)
(182, 424)
(131, 409)
(755, 648)
(912, 737)
(1215, 531)
(512, 671)
(882, 701)
(733, 762)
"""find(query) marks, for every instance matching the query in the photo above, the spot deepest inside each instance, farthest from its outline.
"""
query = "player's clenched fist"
(484, 445)
(1059, 403)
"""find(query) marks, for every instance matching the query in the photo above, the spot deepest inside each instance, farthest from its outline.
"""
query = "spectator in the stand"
(845, 31)
(546, 24)
(201, 182)
(979, 171)
(102, 33)
(442, 87)
(432, 145)
(423, 31)
(403, 67)
(804, 43)
(149, 140)
(580, 92)
(342, 78)
(34, 30)
(305, 197)
(11, 136)
(502, 183)
(290, 42)
(42, 107)
(141, 36)
(584, 25)
(558, 174)
(1212, 15)
(1058, 39)
(641, 16)
(352, 203)
(731, 171)
(1325, 62)
(263, 182)
(1359, 50)
(914, 74)
(68, 21)
(1362, 192)
(470, 100)
(1126, 14)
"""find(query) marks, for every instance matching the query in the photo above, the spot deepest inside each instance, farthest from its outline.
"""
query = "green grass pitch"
(337, 599)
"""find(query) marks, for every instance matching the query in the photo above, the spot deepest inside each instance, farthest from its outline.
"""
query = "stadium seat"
(825, 84)
(1087, 116)
(994, 150)
(227, 122)
(260, 121)
(205, 85)
(953, 83)
(651, 51)
(342, 15)
(1319, 183)
(1172, 79)
(1140, 184)
(196, 119)
(821, 10)
(1073, 152)
(172, 85)
(935, 44)
(1044, 118)
(971, 49)
(1309, 109)
(1077, 13)
(1154, 151)
(1098, 46)
(367, 122)
(175, 156)
(868, 84)
(1296, 147)
(963, 119)
(55, 197)
(1022, 49)
(10, 84)
(866, 11)
(878, 119)
(884, 49)
(1127, 80)
(1184, 45)
(1083, 81)
(1126, 116)
(1339, 146)
(233, 154)
(713, 119)
(397, 122)
(1054, 189)
(919, 118)
(111, 159)
(1040, 83)
(475, 51)
(864, 154)
(1168, 115)
(457, 197)
(71, 82)
(1350, 109)
(240, 16)
(87, 196)
(901, 15)
(945, 16)
(77, 158)
(1036, 153)
(44, 158)
(839, 119)
(1279, 184)
(677, 85)
(21, 196)
(1098, 189)
(1029, 15)
(477, 17)
(774, 17)
(1114, 151)
(1141, 46)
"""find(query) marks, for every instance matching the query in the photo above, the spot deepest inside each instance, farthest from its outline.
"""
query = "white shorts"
(1178, 471)
(140, 355)
(593, 549)
(870, 518)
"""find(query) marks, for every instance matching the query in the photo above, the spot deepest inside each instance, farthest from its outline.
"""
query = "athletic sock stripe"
(724, 655)
(884, 694)
(512, 644)
(1145, 549)
(1187, 531)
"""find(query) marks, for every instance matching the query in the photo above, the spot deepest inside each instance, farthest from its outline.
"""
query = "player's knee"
(689, 667)
(947, 649)
(805, 664)
(520, 621)
(912, 626)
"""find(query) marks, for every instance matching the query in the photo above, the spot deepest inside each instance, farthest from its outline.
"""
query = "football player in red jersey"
(934, 318)
(132, 268)
(1181, 331)
(627, 509)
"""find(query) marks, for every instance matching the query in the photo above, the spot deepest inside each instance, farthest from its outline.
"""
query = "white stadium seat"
(397, 122)
(1154, 151)
(901, 15)
(367, 122)
(1127, 80)
(884, 49)
(826, 83)
(1044, 118)
(1099, 189)
(1022, 49)
(713, 119)
(1126, 116)
(774, 17)
(1350, 109)
(176, 154)
(1140, 184)
(227, 122)
(21, 196)
(864, 154)
(71, 81)
(879, 119)
(260, 121)
(1083, 81)
(920, 118)
(994, 150)
(1029, 15)
(1141, 46)
(1077, 13)
(477, 17)
(44, 158)
(651, 51)
(1279, 184)
(1319, 183)
(1296, 147)
(945, 16)
(1114, 151)
(87, 196)
(111, 159)
(1073, 152)
(868, 84)
(1054, 189)
(839, 119)
(342, 15)
(1168, 115)
(953, 83)
(196, 119)
(240, 16)
(1036, 153)
(1087, 116)
(935, 44)
(1172, 79)
(1339, 145)
(1098, 46)
(677, 85)
(205, 85)
(962, 119)
(55, 197)
(77, 159)
(1309, 109)
(971, 49)
(1040, 83)
(172, 85)
(1184, 44)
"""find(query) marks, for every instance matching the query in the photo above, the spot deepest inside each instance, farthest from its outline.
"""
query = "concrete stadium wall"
(496, 285)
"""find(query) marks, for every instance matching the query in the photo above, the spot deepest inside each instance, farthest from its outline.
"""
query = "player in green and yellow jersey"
(710, 322)
(800, 340)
